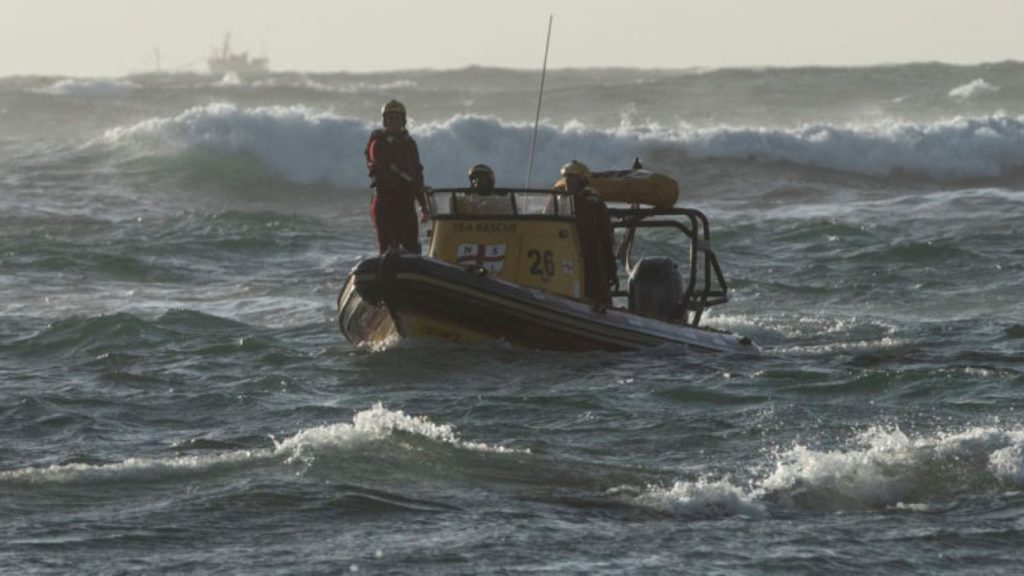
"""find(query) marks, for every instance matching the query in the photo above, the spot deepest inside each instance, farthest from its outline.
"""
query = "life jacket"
(393, 161)
(597, 240)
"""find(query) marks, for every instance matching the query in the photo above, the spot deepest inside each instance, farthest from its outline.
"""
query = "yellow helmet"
(393, 106)
(481, 169)
(576, 168)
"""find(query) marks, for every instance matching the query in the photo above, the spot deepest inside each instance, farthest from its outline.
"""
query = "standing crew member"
(596, 236)
(396, 177)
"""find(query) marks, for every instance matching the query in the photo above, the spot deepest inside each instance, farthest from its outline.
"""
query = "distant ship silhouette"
(223, 61)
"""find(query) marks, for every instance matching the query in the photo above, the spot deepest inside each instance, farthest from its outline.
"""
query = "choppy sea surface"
(175, 396)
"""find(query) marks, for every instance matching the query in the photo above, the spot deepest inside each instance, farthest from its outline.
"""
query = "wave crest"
(306, 146)
(90, 87)
(879, 469)
(885, 467)
(703, 499)
(376, 424)
(973, 89)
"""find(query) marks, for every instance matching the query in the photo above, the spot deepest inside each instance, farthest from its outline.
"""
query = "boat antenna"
(540, 98)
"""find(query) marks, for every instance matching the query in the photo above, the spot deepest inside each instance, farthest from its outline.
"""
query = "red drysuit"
(396, 176)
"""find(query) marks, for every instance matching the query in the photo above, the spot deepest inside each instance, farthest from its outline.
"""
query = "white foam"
(884, 343)
(958, 148)
(371, 425)
(89, 87)
(305, 146)
(807, 325)
(230, 79)
(973, 89)
(704, 499)
(1008, 464)
(141, 469)
(368, 426)
(375, 87)
(358, 87)
(883, 467)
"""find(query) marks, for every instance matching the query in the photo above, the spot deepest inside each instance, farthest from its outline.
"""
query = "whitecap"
(229, 79)
(375, 424)
(703, 499)
(1008, 464)
(882, 467)
(973, 89)
(89, 87)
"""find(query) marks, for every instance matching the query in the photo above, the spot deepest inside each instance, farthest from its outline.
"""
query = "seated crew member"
(481, 179)
(482, 198)
(396, 176)
(595, 230)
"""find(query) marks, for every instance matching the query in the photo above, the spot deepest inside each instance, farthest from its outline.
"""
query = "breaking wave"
(961, 148)
(879, 469)
(973, 89)
(342, 87)
(374, 425)
(90, 87)
(305, 146)
(703, 499)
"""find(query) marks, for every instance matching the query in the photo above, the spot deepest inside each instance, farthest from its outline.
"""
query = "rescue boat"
(508, 266)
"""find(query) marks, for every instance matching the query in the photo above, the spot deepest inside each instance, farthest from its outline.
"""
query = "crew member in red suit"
(396, 177)
(595, 231)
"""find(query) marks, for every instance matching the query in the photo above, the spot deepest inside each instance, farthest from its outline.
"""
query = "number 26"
(542, 266)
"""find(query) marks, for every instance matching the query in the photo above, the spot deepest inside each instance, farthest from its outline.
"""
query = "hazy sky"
(117, 37)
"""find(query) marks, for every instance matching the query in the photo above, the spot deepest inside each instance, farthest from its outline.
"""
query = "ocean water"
(175, 396)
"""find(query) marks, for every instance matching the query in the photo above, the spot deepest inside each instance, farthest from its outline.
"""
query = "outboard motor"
(655, 288)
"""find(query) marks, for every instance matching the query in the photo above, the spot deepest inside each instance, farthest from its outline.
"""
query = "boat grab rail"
(550, 204)
(713, 289)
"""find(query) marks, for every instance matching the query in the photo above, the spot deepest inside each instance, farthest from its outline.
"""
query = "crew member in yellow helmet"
(396, 176)
(596, 235)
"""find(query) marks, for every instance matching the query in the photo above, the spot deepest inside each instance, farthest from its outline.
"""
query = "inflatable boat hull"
(407, 295)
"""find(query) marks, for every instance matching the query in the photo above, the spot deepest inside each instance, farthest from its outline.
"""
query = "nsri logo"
(490, 257)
